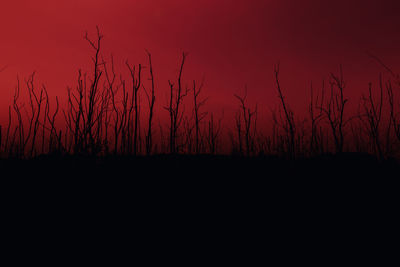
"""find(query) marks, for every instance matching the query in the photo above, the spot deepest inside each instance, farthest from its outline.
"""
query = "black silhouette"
(102, 124)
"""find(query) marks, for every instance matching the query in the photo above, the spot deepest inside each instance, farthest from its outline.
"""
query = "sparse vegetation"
(108, 114)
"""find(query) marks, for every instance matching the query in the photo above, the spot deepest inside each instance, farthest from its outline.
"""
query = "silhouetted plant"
(188, 143)
(393, 115)
(176, 96)
(54, 143)
(134, 106)
(104, 114)
(198, 114)
(151, 98)
(334, 110)
(213, 133)
(373, 117)
(287, 123)
(24, 144)
(85, 110)
(8, 132)
(247, 118)
(316, 142)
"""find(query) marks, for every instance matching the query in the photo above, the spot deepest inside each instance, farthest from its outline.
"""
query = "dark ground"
(233, 208)
(199, 166)
(202, 172)
(205, 180)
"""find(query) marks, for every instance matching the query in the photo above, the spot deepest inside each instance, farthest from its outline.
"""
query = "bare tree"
(74, 114)
(249, 118)
(8, 129)
(54, 142)
(214, 130)
(394, 118)
(188, 128)
(239, 130)
(92, 112)
(334, 110)
(85, 110)
(373, 117)
(316, 144)
(37, 106)
(198, 114)
(136, 84)
(151, 98)
(117, 113)
(287, 122)
(176, 96)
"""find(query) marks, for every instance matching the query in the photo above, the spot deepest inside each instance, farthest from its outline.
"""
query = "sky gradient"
(230, 43)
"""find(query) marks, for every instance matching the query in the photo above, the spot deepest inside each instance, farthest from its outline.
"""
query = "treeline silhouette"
(107, 114)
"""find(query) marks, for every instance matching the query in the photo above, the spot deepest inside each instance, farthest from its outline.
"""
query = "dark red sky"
(232, 43)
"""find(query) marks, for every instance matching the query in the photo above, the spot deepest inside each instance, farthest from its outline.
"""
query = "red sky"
(231, 43)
